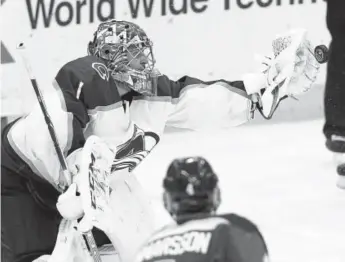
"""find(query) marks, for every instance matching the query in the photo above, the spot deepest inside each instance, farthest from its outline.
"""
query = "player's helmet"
(112, 41)
(190, 187)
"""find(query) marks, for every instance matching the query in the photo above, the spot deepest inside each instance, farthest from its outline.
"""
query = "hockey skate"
(290, 71)
(336, 144)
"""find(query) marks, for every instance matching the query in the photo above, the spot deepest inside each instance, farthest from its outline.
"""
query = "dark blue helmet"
(190, 187)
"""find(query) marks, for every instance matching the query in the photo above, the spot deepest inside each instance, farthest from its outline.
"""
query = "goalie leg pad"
(133, 219)
(114, 202)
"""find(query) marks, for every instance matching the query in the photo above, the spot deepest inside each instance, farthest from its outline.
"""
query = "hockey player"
(192, 196)
(334, 99)
(116, 94)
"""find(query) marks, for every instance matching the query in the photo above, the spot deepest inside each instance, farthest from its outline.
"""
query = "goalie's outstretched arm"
(199, 104)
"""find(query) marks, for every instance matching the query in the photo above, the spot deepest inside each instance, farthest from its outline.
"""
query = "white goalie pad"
(114, 202)
(69, 245)
(134, 216)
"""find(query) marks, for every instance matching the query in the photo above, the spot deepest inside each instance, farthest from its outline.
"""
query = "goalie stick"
(88, 237)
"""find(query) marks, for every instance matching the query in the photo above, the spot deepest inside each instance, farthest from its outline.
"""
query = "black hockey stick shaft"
(46, 115)
(49, 123)
(87, 235)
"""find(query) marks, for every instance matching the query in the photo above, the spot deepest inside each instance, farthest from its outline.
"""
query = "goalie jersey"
(86, 101)
(226, 238)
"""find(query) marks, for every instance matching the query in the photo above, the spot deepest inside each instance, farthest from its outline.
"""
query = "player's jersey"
(228, 238)
(86, 101)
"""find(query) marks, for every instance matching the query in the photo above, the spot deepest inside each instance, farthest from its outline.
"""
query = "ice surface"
(280, 176)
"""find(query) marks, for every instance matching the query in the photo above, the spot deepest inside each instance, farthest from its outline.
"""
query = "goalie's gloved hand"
(289, 72)
(294, 62)
(69, 203)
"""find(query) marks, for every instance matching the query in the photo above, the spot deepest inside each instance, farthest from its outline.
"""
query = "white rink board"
(219, 42)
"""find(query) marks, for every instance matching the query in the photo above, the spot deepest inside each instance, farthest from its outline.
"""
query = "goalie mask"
(127, 52)
(191, 187)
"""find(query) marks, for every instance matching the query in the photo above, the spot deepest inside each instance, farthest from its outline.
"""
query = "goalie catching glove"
(290, 72)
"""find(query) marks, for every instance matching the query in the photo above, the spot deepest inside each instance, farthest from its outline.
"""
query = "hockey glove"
(290, 71)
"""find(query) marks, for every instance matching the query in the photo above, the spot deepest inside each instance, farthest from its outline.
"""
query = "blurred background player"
(192, 196)
(117, 94)
(334, 99)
